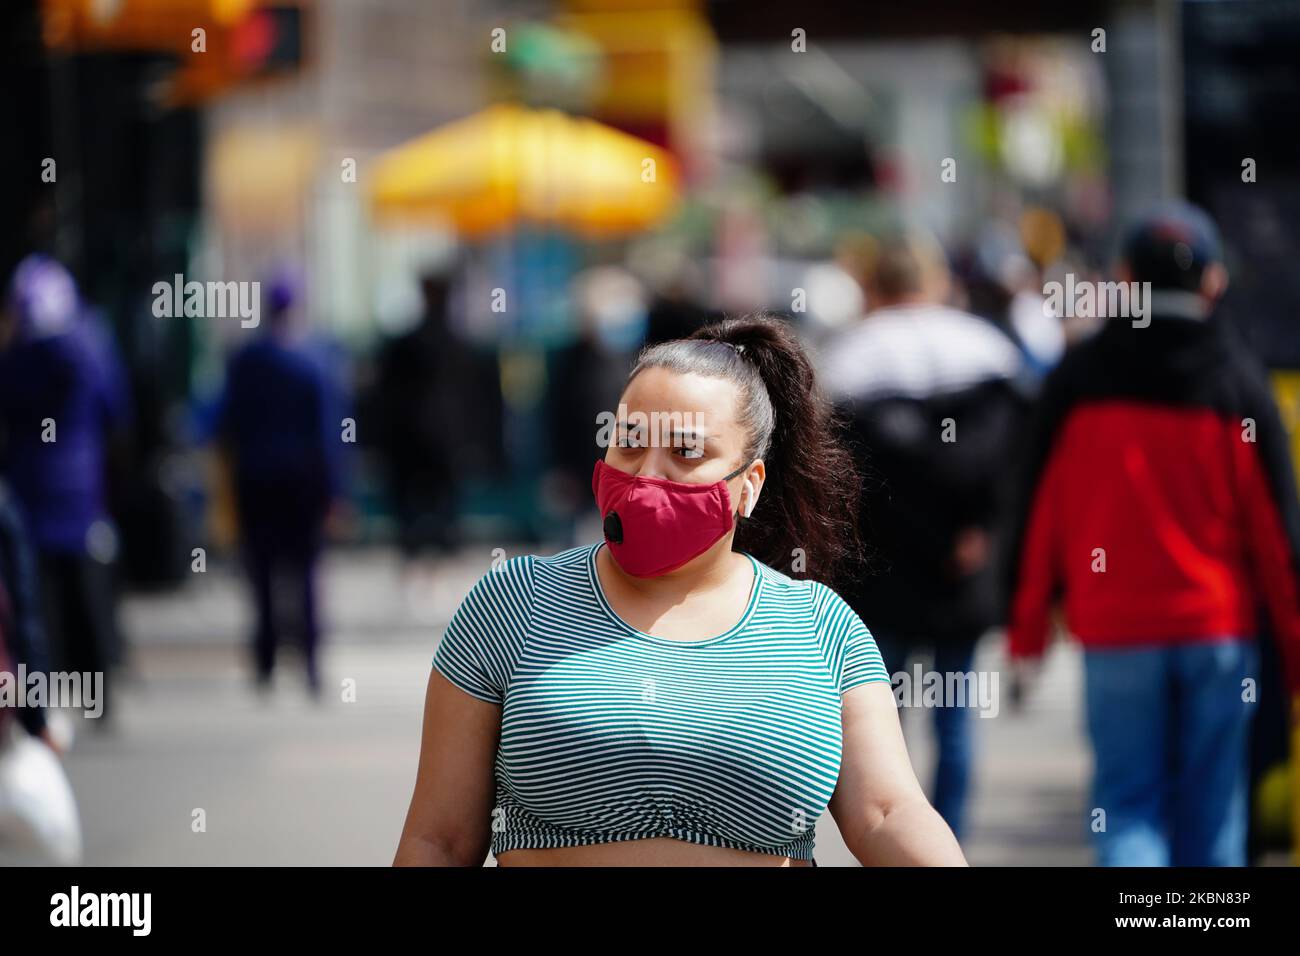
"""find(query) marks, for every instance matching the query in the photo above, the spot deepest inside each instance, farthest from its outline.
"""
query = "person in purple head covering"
(280, 420)
(62, 397)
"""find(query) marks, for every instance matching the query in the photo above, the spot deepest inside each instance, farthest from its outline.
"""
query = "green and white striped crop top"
(608, 733)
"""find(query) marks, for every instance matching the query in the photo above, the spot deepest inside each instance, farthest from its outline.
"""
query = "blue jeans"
(1170, 735)
(953, 728)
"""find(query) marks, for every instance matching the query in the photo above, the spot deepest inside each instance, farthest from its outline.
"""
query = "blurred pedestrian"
(612, 322)
(417, 422)
(22, 631)
(38, 814)
(281, 422)
(677, 307)
(1158, 502)
(932, 399)
(1005, 287)
(63, 399)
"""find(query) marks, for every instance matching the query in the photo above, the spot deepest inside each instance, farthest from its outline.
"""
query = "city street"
(286, 781)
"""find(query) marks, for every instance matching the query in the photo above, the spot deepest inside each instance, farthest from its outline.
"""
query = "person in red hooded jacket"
(1159, 504)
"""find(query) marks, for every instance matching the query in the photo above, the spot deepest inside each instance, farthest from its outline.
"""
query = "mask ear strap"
(737, 471)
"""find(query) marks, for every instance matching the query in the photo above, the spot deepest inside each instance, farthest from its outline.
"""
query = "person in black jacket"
(416, 417)
(932, 401)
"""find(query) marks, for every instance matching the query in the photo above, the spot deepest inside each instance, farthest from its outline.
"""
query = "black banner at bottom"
(330, 906)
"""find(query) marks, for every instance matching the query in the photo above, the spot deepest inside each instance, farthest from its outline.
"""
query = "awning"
(510, 164)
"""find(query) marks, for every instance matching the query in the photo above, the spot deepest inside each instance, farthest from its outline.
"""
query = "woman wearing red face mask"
(687, 691)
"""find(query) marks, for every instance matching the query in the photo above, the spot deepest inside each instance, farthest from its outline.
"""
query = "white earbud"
(749, 498)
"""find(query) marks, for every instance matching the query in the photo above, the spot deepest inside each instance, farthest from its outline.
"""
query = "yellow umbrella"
(510, 164)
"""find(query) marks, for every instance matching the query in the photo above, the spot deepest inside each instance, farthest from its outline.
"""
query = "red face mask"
(654, 525)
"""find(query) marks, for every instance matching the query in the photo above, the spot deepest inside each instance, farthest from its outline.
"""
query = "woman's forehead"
(710, 400)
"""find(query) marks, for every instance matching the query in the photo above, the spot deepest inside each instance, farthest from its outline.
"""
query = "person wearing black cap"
(1157, 500)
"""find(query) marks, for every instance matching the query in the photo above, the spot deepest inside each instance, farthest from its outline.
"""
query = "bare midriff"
(652, 851)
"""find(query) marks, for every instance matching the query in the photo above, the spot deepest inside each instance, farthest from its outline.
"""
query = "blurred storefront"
(783, 144)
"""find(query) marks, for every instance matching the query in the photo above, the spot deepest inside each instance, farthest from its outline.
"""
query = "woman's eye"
(690, 452)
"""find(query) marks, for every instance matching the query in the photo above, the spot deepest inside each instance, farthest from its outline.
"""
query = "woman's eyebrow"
(688, 437)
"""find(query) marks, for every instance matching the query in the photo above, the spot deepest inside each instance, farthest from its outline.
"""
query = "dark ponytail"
(809, 504)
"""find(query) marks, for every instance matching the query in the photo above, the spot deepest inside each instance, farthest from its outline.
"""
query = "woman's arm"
(449, 822)
(878, 805)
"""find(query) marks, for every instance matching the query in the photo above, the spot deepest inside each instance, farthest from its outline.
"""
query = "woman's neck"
(707, 572)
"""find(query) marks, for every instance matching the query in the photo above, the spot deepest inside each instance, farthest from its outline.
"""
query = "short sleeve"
(485, 636)
(850, 649)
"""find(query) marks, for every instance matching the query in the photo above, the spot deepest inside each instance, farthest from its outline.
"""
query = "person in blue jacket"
(281, 421)
(63, 402)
